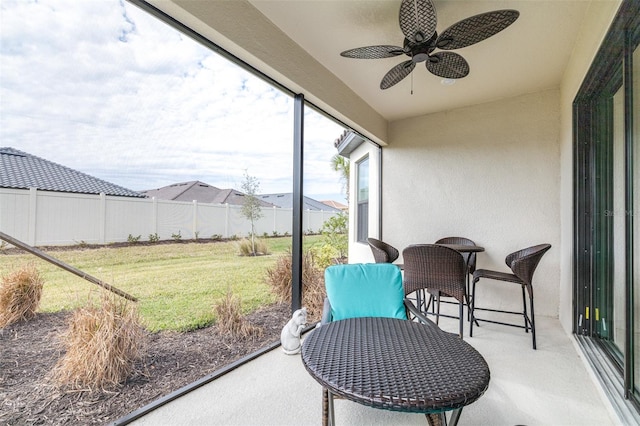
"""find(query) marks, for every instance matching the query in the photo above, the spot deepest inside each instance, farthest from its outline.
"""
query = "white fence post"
(195, 219)
(102, 220)
(33, 203)
(275, 222)
(226, 220)
(154, 219)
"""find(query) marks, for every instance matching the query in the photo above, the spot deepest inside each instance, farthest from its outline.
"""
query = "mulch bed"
(29, 350)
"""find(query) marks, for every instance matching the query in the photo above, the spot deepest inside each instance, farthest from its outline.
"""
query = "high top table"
(462, 248)
(396, 365)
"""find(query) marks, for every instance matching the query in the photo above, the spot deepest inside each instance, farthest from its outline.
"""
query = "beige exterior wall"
(490, 173)
(499, 173)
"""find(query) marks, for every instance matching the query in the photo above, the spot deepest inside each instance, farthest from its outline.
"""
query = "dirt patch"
(29, 350)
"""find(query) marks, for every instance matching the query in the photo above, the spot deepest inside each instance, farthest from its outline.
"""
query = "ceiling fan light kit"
(418, 24)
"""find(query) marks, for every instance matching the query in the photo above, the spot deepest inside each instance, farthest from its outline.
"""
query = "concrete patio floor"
(547, 386)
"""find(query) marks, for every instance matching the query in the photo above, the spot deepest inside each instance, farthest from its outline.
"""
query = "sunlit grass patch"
(176, 284)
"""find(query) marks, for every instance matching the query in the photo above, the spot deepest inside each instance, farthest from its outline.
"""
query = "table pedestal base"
(439, 419)
(434, 419)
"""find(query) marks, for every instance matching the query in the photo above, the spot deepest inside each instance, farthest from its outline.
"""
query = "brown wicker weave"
(522, 263)
(382, 252)
(438, 269)
(395, 365)
(470, 258)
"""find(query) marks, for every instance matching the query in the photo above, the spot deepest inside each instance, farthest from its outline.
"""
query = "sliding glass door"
(635, 130)
(608, 182)
(607, 188)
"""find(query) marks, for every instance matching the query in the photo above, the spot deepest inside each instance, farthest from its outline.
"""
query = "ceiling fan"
(418, 24)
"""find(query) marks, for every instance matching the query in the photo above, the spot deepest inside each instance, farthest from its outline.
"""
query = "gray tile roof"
(201, 192)
(21, 170)
(285, 201)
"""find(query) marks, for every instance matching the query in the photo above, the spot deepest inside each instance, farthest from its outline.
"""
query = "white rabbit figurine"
(290, 335)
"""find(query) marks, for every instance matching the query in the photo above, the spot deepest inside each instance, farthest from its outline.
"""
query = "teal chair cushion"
(365, 290)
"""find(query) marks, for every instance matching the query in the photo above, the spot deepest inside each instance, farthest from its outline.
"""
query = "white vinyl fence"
(43, 218)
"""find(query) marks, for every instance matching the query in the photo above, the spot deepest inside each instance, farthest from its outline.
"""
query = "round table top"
(464, 248)
(395, 364)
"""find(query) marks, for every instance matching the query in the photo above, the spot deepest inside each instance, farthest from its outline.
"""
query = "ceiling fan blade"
(417, 20)
(476, 28)
(396, 74)
(447, 65)
(373, 52)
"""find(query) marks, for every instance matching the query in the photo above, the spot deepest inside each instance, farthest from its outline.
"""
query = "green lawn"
(177, 285)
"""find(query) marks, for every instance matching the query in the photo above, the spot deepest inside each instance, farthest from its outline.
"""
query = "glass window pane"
(636, 216)
(363, 180)
(617, 214)
(362, 214)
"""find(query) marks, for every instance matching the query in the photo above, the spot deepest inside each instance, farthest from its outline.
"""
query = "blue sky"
(102, 87)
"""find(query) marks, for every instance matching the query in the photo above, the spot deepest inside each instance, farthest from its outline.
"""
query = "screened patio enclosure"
(508, 169)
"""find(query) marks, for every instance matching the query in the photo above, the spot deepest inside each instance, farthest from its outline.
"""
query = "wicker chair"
(470, 258)
(522, 263)
(441, 272)
(382, 252)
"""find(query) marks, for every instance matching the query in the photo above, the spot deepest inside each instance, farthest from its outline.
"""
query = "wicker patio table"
(464, 248)
(457, 247)
(395, 364)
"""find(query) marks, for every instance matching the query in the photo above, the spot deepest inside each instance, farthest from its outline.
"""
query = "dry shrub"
(102, 343)
(20, 293)
(313, 292)
(230, 319)
(246, 249)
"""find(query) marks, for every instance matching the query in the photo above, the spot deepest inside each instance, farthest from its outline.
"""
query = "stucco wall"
(499, 173)
(491, 173)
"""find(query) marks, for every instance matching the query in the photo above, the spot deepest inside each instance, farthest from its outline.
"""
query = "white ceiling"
(526, 57)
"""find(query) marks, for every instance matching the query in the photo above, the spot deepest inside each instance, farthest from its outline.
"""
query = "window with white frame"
(362, 201)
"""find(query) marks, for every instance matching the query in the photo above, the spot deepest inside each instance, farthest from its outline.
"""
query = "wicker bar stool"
(470, 258)
(441, 272)
(522, 263)
(382, 252)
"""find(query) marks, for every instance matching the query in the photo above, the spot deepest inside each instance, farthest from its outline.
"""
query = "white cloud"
(102, 87)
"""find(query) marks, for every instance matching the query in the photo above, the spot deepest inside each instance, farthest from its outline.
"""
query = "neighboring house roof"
(200, 192)
(285, 201)
(335, 205)
(185, 191)
(21, 170)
